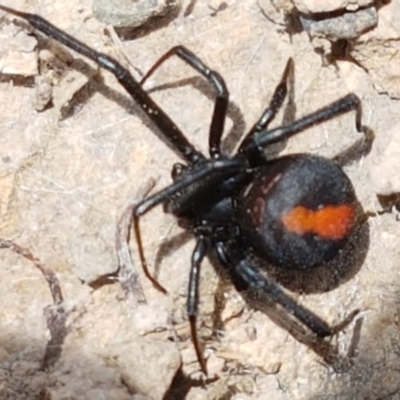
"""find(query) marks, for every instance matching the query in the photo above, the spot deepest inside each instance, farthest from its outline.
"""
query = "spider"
(296, 211)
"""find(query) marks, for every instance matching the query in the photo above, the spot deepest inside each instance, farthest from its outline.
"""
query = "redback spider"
(296, 211)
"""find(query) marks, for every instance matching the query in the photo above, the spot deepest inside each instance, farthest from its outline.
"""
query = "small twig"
(56, 316)
(121, 48)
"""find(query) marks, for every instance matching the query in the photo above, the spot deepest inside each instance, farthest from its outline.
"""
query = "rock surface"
(67, 173)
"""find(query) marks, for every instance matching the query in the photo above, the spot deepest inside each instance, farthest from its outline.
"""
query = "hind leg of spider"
(193, 297)
(215, 79)
(246, 276)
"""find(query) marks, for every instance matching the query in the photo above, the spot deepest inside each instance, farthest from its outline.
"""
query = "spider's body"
(299, 210)
(296, 211)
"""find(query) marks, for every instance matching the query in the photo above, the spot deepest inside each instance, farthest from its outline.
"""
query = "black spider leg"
(247, 276)
(193, 296)
(253, 147)
(225, 167)
(269, 113)
(216, 80)
(275, 103)
(169, 131)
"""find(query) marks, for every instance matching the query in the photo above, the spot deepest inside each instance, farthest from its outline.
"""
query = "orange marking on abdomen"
(331, 222)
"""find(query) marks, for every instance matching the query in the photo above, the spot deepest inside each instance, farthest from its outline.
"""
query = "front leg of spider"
(215, 80)
(169, 131)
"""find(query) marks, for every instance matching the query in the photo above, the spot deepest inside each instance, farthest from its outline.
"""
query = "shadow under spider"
(168, 247)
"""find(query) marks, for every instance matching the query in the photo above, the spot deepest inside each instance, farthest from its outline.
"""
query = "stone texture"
(316, 6)
(66, 179)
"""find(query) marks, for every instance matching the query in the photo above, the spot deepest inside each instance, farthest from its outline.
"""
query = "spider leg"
(247, 276)
(274, 105)
(351, 102)
(193, 296)
(168, 129)
(225, 168)
(215, 79)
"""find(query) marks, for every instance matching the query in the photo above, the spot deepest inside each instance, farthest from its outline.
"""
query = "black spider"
(295, 211)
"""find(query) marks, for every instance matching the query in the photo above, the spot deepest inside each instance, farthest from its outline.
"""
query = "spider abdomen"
(299, 210)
